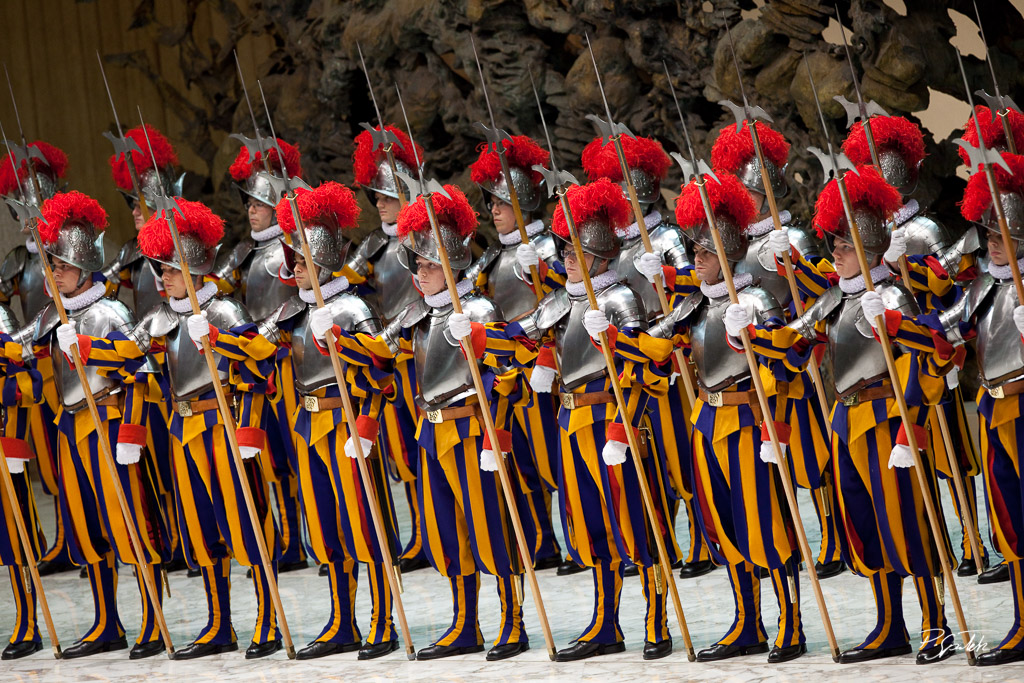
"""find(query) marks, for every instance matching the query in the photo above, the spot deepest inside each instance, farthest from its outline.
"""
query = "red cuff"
(131, 433)
(616, 431)
(892, 323)
(545, 358)
(782, 430)
(504, 440)
(253, 437)
(920, 434)
(669, 274)
(367, 428)
(613, 333)
(478, 337)
(212, 335)
(16, 448)
(84, 348)
(335, 332)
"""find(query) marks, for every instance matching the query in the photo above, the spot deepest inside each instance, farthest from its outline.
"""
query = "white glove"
(614, 452)
(872, 306)
(768, 452)
(542, 379)
(737, 319)
(953, 379)
(16, 465)
(596, 322)
(198, 327)
(649, 265)
(460, 325)
(350, 447)
(901, 456)
(248, 452)
(1018, 318)
(320, 321)
(128, 453)
(67, 336)
(778, 240)
(897, 246)
(526, 256)
(487, 461)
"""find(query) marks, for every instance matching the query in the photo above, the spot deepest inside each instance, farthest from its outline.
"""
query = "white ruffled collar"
(632, 231)
(443, 298)
(30, 244)
(766, 225)
(335, 286)
(599, 283)
(390, 229)
(855, 285)
(513, 238)
(203, 294)
(89, 296)
(268, 234)
(720, 289)
(905, 213)
(1004, 272)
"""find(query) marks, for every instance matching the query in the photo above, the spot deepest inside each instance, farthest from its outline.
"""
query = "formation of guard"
(645, 361)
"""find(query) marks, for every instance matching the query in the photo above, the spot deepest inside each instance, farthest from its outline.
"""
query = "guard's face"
(996, 252)
(844, 256)
(137, 214)
(302, 277)
(174, 283)
(707, 265)
(261, 216)
(388, 208)
(66, 276)
(573, 272)
(430, 276)
(504, 218)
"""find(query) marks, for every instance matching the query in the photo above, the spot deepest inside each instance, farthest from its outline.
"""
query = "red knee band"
(782, 430)
(253, 437)
(504, 440)
(130, 433)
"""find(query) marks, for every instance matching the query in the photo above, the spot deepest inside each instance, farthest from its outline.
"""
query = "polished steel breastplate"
(392, 283)
(264, 291)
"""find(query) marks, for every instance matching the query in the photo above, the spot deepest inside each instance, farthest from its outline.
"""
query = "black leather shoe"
(178, 565)
(584, 650)
(829, 569)
(26, 648)
(143, 650)
(324, 570)
(857, 656)
(440, 651)
(319, 648)
(569, 567)
(692, 570)
(286, 567)
(83, 573)
(763, 572)
(935, 653)
(678, 564)
(662, 648)
(548, 563)
(194, 573)
(631, 570)
(257, 650)
(84, 648)
(248, 573)
(197, 650)
(507, 650)
(379, 650)
(968, 568)
(998, 574)
(50, 567)
(785, 654)
(719, 651)
(990, 658)
(411, 564)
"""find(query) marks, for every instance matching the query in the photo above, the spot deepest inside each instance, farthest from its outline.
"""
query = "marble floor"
(706, 600)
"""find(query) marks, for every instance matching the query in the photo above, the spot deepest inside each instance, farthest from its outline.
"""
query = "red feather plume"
(601, 200)
(977, 198)
(455, 213)
(69, 207)
(195, 218)
(56, 165)
(867, 190)
(331, 204)
(992, 130)
(242, 167)
(162, 149)
(729, 198)
(890, 132)
(733, 149)
(367, 157)
(602, 161)
(521, 152)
